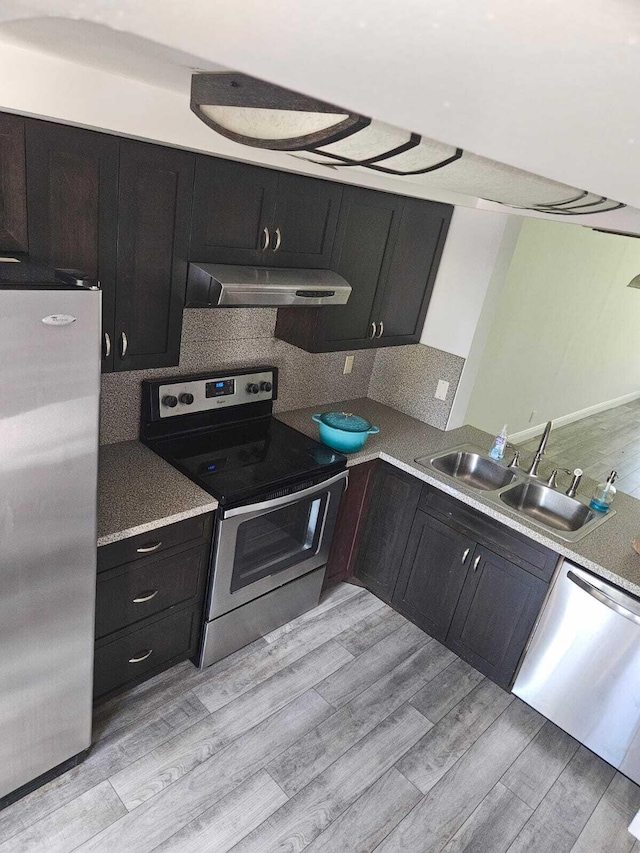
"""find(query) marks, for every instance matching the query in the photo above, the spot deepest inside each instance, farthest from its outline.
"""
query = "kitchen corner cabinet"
(462, 577)
(245, 214)
(388, 248)
(13, 193)
(154, 213)
(385, 533)
(72, 197)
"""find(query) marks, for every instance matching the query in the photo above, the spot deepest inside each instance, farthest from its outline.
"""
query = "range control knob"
(265, 386)
(252, 388)
(170, 401)
(187, 399)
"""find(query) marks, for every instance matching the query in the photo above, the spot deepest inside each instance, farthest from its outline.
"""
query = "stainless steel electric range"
(278, 492)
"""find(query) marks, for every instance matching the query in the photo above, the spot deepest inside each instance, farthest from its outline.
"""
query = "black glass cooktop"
(243, 460)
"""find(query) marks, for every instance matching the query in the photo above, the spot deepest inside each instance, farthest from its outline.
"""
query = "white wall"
(463, 278)
(566, 330)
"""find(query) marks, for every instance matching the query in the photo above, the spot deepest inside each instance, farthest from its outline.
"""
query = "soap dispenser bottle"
(604, 494)
(499, 444)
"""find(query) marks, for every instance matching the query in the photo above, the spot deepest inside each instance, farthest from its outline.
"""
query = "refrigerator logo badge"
(58, 320)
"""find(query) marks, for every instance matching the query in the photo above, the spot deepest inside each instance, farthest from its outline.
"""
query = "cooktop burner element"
(218, 430)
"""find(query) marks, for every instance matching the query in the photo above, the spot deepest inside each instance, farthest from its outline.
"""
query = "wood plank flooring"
(345, 731)
(597, 444)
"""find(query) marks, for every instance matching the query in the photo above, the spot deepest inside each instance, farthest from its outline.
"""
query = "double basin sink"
(568, 518)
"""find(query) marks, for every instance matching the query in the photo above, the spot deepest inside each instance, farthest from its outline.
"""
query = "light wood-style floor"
(346, 731)
(597, 444)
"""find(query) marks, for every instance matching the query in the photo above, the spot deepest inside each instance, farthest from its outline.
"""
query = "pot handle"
(373, 431)
(315, 418)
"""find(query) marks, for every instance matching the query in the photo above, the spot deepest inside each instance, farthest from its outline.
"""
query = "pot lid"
(346, 421)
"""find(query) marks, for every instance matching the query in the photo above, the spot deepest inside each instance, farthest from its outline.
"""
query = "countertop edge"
(109, 538)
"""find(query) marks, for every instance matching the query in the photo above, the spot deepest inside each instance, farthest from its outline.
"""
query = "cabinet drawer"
(155, 541)
(153, 647)
(128, 594)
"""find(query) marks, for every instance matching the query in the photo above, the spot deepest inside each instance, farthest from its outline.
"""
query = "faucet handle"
(516, 457)
(551, 482)
(573, 488)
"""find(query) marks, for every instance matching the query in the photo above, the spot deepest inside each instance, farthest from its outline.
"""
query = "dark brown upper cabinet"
(13, 193)
(246, 214)
(154, 212)
(72, 196)
(388, 248)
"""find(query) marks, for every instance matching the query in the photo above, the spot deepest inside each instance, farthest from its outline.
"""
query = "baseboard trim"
(532, 432)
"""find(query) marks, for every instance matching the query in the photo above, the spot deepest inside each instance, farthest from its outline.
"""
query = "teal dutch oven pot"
(344, 431)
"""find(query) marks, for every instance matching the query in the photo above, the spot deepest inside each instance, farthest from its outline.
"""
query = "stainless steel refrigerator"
(49, 399)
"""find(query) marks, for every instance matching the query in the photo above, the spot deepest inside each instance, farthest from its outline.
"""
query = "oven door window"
(277, 540)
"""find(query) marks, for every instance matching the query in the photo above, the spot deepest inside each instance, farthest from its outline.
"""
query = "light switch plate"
(442, 390)
(348, 364)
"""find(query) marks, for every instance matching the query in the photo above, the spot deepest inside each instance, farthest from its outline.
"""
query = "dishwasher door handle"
(603, 598)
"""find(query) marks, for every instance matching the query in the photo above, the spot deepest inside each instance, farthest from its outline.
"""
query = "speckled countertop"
(606, 550)
(138, 491)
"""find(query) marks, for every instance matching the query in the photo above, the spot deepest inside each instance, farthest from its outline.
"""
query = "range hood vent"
(231, 286)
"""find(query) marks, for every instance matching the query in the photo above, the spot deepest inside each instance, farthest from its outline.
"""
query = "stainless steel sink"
(567, 518)
(473, 470)
(548, 507)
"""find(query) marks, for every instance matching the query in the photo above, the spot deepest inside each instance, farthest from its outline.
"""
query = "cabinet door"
(392, 506)
(433, 573)
(233, 208)
(13, 191)
(154, 210)
(351, 516)
(72, 196)
(495, 615)
(367, 226)
(402, 302)
(305, 221)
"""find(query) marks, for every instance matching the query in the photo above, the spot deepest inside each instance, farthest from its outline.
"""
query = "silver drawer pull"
(124, 344)
(278, 240)
(146, 596)
(142, 656)
(147, 549)
(265, 239)
(465, 555)
(373, 330)
(381, 332)
(476, 563)
(107, 345)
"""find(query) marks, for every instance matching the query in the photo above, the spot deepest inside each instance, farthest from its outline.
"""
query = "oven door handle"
(287, 499)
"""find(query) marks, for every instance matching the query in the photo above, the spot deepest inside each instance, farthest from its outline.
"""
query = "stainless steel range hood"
(231, 286)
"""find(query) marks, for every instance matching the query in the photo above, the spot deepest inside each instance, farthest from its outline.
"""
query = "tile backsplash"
(402, 377)
(236, 337)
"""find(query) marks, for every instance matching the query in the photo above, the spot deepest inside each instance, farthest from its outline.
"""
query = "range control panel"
(184, 397)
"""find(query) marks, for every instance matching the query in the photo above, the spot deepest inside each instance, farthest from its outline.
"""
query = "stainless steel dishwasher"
(582, 667)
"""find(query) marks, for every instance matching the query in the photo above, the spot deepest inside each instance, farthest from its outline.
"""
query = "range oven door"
(262, 546)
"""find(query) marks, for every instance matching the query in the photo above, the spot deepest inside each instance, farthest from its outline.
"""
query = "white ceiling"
(547, 87)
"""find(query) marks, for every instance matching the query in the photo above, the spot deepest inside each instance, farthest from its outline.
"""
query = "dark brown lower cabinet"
(346, 536)
(392, 506)
(495, 614)
(432, 574)
(464, 578)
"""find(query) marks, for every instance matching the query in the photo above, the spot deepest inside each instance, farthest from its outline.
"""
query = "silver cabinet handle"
(124, 344)
(476, 563)
(278, 240)
(147, 549)
(146, 596)
(107, 345)
(265, 239)
(140, 657)
(465, 555)
(381, 332)
(373, 330)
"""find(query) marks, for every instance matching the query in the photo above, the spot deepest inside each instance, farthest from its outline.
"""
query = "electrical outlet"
(532, 416)
(442, 390)
(348, 364)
